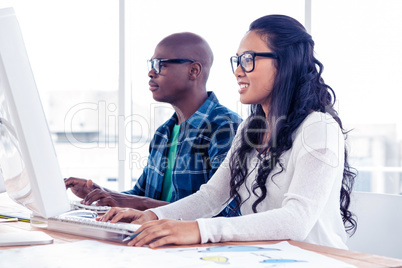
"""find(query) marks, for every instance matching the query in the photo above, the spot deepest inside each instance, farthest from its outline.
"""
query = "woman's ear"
(195, 70)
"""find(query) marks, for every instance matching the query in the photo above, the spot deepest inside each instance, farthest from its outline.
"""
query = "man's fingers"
(90, 184)
(93, 196)
(106, 201)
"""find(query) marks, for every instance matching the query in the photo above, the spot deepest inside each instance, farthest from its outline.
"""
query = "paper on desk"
(23, 238)
(88, 253)
(97, 254)
(277, 255)
(8, 219)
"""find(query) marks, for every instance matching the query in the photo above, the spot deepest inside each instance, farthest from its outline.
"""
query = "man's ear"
(195, 70)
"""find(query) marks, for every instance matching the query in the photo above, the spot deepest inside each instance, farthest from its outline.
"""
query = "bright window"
(221, 23)
(360, 43)
(74, 52)
(73, 49)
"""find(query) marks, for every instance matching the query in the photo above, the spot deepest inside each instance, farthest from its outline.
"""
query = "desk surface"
(355, 258)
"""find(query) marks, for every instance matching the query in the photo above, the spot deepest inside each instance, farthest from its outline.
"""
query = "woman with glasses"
(288, 166)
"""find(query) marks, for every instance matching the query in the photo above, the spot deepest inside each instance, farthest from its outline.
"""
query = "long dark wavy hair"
(298, 89)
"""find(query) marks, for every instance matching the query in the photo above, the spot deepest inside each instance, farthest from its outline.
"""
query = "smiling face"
(256, 86)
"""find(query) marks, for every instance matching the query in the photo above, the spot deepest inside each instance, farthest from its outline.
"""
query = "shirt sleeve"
(302, 205)
(317, 174)
(139, 187)
(209, 200)
(221, 141)
(141, 184)
(317, 169)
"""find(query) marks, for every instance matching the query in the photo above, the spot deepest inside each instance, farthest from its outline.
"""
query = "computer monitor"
(28, 161)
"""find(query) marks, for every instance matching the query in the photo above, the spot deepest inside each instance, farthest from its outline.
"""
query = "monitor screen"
(28, 161)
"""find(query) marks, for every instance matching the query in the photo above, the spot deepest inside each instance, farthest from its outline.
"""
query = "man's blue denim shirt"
(203, 142)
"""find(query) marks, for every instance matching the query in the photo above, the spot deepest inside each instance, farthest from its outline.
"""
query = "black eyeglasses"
(247, 60)
(156, 63)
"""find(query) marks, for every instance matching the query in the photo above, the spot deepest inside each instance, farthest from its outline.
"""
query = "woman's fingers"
(163, 232)
(148, 235)
(114, 214)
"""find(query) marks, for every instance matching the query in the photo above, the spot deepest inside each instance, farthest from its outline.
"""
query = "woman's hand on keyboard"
(163, 232)
(116, 214)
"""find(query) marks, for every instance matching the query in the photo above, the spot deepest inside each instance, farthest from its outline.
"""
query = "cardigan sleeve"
(316, 166)
(317, 173)
(300, 210)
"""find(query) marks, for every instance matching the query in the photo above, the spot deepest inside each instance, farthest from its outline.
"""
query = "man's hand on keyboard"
(130, 215)
(90, 192)
(105, 198)
(80, 187)
(116, 199)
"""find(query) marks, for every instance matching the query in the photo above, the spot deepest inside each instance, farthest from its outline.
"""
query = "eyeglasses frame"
(167, 61)
(254, 54)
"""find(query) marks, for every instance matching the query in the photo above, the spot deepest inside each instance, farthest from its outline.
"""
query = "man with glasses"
(188, 148)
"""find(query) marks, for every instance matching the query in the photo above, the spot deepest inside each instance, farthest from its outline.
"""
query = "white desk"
(355, 258)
